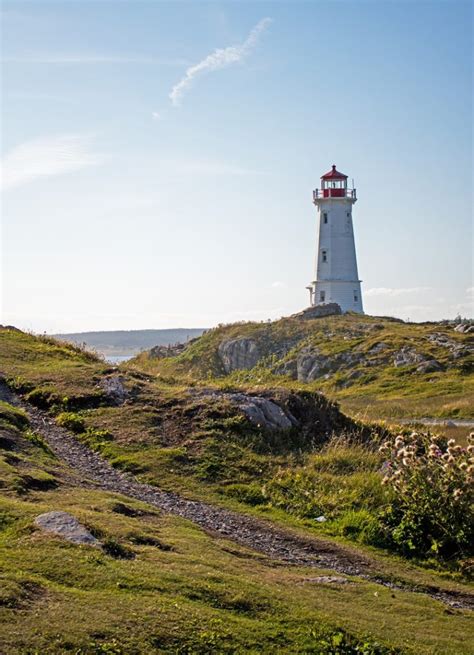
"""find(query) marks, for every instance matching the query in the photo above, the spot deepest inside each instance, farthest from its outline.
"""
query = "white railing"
(318, 194)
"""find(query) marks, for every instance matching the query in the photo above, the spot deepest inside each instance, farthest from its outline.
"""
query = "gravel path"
(274, 542)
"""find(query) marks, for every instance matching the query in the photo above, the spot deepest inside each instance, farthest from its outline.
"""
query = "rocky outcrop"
(238, 354)
(377, 348)
(430, 366)
(318, 311)
(464, 328)
(311, 365)
(407, 357)
(161, 352)
(456, 350)
(263, 412)
(66, 526)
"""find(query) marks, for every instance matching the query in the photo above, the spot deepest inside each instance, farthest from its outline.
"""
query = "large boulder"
(263, 412)
(239, 354)
(319, 311)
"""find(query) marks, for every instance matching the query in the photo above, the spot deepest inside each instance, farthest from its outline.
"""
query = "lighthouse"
(337, 279)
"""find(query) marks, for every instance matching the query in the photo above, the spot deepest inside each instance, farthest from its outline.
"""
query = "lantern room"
(334, 185)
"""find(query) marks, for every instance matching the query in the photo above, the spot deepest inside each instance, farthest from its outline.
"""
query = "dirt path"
(274, 542)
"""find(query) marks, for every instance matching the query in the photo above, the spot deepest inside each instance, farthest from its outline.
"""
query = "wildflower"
(457, 494)
(451, 442)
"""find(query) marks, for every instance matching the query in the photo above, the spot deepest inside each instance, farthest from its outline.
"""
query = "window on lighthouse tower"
(324, 255)
(325, 217)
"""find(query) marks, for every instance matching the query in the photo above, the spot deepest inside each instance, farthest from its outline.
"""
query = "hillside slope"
(375, 367)
(160, 584)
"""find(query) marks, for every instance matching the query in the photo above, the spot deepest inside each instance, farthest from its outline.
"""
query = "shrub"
(431, 512)
(71, 421)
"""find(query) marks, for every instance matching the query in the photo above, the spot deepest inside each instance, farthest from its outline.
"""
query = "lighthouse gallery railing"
(334, 193)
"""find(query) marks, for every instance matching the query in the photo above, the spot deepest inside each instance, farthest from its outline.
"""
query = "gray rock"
(378, 348)
(460, 351)
(328, 579)
(114, 389)
(264, 412)
(430, 366)
(461, 327)
(66, 526)
(289, 368)
(238, 354)
(407, 357)
(319, 311)
(310, 366)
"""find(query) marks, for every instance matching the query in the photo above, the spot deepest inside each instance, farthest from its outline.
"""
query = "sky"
(158, 158)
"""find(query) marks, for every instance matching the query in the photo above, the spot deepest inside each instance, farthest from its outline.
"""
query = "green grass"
(164, 585)
(179, 590)
(51, 372)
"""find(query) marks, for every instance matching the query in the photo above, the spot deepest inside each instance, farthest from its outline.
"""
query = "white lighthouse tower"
(337, 279)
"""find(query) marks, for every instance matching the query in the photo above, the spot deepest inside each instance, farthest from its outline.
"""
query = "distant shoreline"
(118, 345)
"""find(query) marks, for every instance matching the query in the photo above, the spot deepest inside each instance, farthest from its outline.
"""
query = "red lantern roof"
(334, 175)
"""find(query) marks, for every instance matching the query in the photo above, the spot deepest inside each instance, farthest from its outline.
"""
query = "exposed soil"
(274, 542)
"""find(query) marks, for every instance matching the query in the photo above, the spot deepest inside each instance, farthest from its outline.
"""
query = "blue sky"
(159, 157)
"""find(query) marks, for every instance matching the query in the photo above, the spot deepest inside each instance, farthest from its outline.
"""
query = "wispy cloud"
(391, 292)
(60, 58)
(45, 157)
(156, 115)
(220, 58)
(278, 285)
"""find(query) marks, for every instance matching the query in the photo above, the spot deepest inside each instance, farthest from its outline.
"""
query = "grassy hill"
(165, 585)
(375, 367)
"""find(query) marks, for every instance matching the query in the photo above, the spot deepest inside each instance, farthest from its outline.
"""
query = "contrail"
(220, 58)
